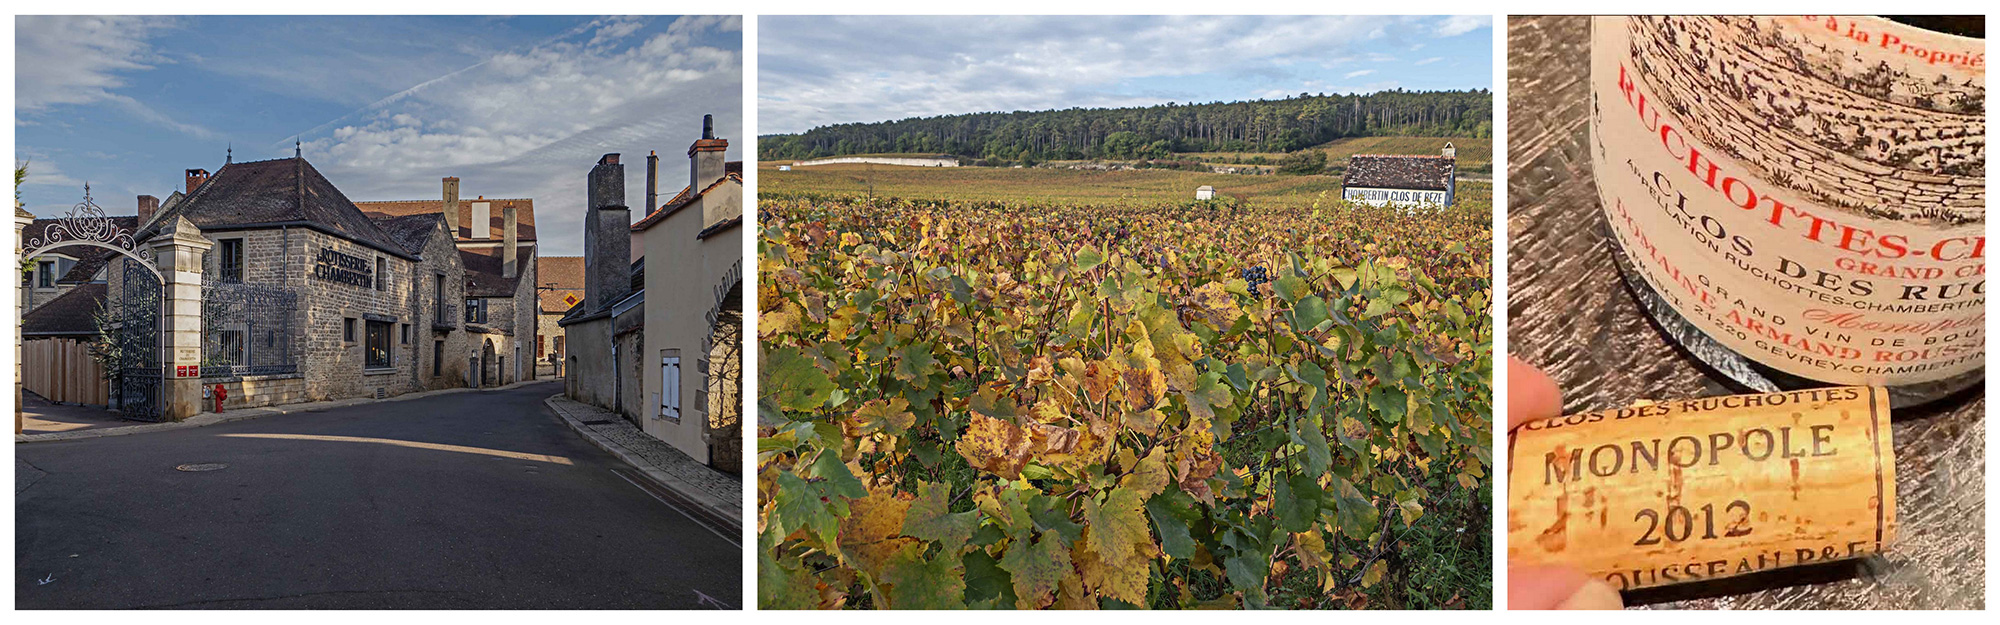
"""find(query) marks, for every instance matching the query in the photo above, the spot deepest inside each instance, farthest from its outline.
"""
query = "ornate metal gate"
(133, 332)
(246, 329)
(136, 339)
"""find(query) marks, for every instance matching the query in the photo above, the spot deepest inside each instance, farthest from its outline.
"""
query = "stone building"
(306, 298)
(1384, 180)
(663, 347)
(602, 333)
(499, 306)
(694, 323)
(560, 289)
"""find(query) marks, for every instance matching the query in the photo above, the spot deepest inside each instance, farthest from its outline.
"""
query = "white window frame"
(670, 385)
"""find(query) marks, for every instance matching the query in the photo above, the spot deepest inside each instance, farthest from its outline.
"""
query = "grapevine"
(1036, 405)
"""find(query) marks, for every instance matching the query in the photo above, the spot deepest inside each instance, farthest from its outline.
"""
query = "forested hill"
(1153, 131)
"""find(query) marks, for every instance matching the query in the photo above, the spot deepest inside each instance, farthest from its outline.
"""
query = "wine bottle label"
(1807, 191)
(1704, 488)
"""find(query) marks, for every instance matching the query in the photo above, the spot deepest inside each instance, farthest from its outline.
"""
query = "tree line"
(1281, 125)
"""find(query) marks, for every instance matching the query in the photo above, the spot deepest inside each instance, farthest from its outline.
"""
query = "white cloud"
(1461, 24)
(1358, 73)
(816, 70)
(1430, 60)
(82, 60)
(531, 123)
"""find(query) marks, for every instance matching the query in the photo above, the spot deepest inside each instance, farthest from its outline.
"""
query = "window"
(230, 346)
(46, 274)
(232, 260)
(670, 384)
(559, 347)
(475, 310)
(441, 316)
(406, 334)
(378, 345)
(347, 329)
(437, 358)
(381, 273)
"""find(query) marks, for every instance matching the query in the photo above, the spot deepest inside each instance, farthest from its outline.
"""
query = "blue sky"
(814, 71)
(385, 106)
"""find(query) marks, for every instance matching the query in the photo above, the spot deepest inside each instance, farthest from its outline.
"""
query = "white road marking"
(704, 524)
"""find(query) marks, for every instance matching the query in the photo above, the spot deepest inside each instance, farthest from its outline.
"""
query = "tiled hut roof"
(483, 271)
(89, 259)
(1426, 173)
(72, 313)
(285, 191)
(524, 215)
(413, 232)
(565, 273)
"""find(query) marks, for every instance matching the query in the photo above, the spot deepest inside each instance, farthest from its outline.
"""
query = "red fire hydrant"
(220, 394)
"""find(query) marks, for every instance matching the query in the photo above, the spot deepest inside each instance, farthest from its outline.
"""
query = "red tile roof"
(524, 218)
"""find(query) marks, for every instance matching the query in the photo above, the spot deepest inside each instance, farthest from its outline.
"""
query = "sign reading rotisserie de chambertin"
(334, 266)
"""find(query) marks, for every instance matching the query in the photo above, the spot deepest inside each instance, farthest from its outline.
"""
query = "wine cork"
(1697, 489)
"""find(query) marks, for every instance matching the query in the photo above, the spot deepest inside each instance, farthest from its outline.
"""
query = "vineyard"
(1119, 403)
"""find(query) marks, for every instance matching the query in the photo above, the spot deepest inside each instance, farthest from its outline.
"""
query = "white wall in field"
(882, 160)
(1398, 197)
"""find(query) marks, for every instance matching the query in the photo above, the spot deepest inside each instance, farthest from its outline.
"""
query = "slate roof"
(524, 214)
(285, 191)
(413, 232)
(72, 313)
(565, 273)
(1426, 173)
(89, 259)
(482, 271)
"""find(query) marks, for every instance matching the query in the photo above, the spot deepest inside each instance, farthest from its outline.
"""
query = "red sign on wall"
(187, 371)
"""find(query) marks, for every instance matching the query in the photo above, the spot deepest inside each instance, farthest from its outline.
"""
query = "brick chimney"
(451, 205)
(652, 181)
(705, 157)
(508, 265)
(147, 206)
(607, 236)
(194, 179)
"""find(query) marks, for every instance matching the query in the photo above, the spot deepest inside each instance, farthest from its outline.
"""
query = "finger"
(1558, 588)
(1531, 394)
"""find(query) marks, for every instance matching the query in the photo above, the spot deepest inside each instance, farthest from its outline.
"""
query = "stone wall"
(255, 391)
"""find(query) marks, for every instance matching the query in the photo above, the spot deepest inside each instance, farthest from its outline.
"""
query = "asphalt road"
(462, 501)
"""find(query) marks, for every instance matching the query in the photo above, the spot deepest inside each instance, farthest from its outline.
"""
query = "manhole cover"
(201, 466)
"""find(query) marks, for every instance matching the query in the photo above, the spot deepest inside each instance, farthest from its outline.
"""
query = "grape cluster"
(1256, 277)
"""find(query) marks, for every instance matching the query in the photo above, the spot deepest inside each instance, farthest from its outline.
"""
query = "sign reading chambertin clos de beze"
(334, 266)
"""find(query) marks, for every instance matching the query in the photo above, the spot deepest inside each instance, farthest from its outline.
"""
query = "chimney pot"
(509, 263)
(195, 177)
(608, 159)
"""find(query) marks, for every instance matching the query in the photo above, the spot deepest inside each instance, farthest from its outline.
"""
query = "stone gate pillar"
(177, 253)
(22, 219)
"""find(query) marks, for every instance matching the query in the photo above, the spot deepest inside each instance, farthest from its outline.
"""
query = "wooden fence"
(61, 370)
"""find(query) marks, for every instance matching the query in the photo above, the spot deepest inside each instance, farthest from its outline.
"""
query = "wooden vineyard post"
(1697, 489)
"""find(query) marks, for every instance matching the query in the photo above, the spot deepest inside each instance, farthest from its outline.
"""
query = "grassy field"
(1150, 186)
(1473, 154)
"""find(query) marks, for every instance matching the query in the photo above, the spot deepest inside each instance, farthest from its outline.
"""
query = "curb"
(660, 478)
(205, 419)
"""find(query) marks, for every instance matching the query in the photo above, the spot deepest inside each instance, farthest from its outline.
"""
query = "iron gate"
(141, 372)
(246, 329)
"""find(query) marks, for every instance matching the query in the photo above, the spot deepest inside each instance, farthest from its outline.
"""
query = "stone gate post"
(22, 219)
(177, 253)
